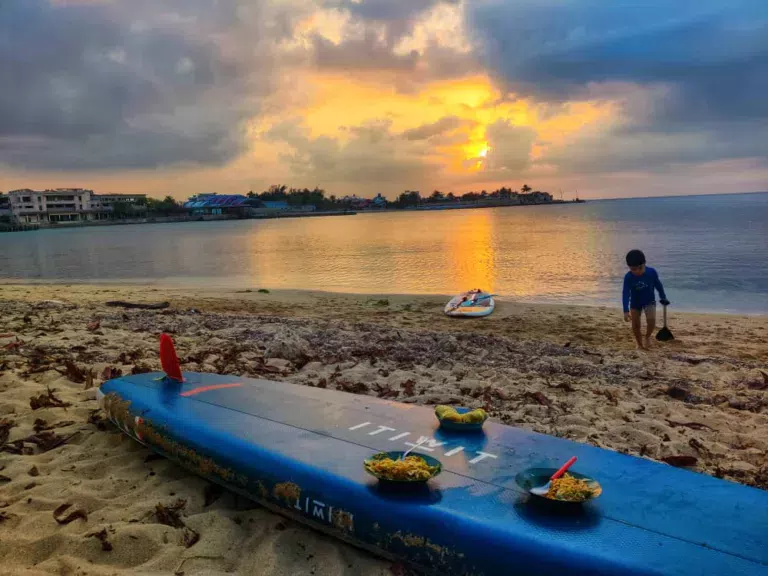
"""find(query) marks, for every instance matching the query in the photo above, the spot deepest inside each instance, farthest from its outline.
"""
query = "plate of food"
(461, 419)
(391, 467)
(569, 487)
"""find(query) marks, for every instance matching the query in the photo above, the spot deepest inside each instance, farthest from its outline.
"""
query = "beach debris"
(129, 357)
(141, 369)
(170, 516)
(47, 400)
(46, 441)
(539, 398)
(565, 387)
(352, 387)
(97, 420)
(751, 404)
(16, 447)
(679, 391)
(386, 391)
(409, 387)
(191, 537)
(33, 471)
(5, 430)
(15, 345)
(697, 445)
(111, 372)
(89, 378)
(4, 479)
(757, 380)
(71, 517)
(103, 537)
(72, 372)
(692, 425)
(93, 326)
(5, 516)
(138, 306)
(681, 461)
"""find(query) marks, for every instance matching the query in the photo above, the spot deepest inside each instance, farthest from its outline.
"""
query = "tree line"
(298, 197)
(411, 198)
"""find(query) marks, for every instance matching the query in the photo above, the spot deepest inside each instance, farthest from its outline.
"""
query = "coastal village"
(26, 209)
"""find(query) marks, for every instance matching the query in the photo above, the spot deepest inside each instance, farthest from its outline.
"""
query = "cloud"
(556, 49)
(509, 147)
(104, 85)
(426, 131)
(367, 53)
(650, 150)
(368, 154)
(397, 16)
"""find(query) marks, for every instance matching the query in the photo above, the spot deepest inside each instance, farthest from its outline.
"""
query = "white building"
(5, 207)
(65, 205)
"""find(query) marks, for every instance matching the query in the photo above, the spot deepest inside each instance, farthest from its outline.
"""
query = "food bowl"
(536, 477)
(461, 426)
(431, 462)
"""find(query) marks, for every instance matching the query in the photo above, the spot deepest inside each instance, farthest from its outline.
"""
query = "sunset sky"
(612, 98)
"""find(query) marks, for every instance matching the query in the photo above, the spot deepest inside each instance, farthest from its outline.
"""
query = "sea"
(711, 252)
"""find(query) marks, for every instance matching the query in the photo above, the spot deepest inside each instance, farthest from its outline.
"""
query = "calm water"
(711, 252)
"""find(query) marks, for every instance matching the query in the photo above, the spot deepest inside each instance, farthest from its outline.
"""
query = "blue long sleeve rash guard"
(639, 290)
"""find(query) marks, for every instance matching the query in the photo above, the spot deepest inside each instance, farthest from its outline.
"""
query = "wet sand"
(569, 371)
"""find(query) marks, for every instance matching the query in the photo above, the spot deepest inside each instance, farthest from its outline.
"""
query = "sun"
(484, 152)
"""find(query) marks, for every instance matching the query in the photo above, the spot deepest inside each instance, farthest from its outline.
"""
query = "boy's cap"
(635, 258)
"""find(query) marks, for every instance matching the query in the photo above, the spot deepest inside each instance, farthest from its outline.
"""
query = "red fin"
(168, 359)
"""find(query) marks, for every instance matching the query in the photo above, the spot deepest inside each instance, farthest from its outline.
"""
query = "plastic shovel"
(665, 334)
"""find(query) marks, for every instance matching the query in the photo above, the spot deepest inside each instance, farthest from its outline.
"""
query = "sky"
(602, 98)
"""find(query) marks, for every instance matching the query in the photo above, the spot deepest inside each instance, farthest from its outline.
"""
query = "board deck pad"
(299, 450)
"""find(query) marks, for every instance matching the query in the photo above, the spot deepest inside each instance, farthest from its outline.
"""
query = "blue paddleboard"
(300, 450)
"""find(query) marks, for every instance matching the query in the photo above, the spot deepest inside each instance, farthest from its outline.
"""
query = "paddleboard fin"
(168, 359)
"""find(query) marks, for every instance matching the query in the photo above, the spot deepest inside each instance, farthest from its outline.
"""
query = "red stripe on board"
(209, 388)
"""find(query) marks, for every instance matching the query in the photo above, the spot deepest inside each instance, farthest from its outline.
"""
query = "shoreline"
(566, 371)
(267, 216)
(227, 291)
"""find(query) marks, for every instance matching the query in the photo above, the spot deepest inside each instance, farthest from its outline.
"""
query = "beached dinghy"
(300, 452)
(472, 304)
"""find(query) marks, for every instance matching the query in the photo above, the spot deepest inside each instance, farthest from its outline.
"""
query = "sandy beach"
(79, 497)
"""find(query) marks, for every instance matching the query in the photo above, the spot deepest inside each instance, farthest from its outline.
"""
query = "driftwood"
(121, 304)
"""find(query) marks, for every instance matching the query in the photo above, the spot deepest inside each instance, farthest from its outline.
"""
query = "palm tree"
(525, 189)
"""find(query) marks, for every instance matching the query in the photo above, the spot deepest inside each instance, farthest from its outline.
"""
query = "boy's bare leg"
(650, 320)
(635, 314)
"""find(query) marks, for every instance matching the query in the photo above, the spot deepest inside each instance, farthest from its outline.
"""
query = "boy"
(638, 296)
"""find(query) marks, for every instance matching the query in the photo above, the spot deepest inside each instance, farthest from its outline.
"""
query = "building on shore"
(536, 198)
(5, 208)
(71, 205)
(379, 201)
(221, 204)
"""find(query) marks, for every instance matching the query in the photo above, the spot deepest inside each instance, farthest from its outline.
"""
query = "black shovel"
(665, 334)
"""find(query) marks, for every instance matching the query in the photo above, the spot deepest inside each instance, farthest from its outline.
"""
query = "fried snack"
(412, 469)
(477, 416)
(570, 489)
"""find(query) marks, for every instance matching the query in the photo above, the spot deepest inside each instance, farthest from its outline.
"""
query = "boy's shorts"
(650, 307)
